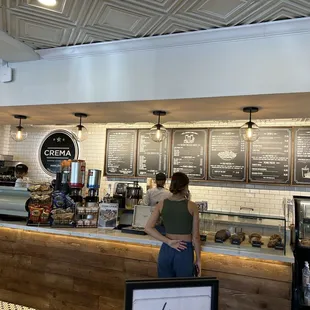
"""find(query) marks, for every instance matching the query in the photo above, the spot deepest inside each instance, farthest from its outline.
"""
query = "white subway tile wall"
(4, 139)
(262, 198)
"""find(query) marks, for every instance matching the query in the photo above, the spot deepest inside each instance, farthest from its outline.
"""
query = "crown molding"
(238, 33)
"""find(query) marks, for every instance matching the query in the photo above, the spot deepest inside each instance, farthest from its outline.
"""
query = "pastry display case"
(301, 250)
(247, 232)
(302, 221)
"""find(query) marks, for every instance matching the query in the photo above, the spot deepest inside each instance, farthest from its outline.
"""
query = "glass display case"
(301, 250)
(248, 232)
(302, 221)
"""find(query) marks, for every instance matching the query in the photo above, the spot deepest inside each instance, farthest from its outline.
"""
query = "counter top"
(115, 235)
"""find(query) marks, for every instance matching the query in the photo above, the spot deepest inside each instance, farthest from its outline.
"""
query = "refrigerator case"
(301, 248)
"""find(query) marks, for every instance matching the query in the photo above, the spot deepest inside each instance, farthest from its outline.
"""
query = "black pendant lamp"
(158, 131)
(19, 134)
(81, 132)
(249, 131)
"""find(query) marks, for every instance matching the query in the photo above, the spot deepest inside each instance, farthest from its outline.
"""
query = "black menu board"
(189, 152)
(302, 156)
(152, 156)
(120, 152)
(226, 155)
(270, 156)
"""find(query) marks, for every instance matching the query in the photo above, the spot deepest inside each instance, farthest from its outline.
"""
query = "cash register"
(141, 215)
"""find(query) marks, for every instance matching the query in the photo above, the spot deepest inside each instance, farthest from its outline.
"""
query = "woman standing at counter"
(181, 221)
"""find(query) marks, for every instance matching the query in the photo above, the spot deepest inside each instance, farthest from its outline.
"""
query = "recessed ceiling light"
(48, 2)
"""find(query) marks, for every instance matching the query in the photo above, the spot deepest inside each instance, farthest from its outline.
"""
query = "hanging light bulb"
(48, 2)
(158, 131)
(249, 131)
(19, 134)
(81, 132)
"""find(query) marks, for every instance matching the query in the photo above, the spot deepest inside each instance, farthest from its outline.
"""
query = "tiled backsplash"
(264, 199)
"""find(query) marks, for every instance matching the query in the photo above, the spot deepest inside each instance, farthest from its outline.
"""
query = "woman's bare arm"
(151, 223)
(196, 233)
(152, 231)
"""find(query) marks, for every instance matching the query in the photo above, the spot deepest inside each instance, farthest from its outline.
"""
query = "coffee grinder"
(93, 185)
(77, 179)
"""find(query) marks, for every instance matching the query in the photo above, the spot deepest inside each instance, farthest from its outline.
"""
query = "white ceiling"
(282, 106)
(73, 22)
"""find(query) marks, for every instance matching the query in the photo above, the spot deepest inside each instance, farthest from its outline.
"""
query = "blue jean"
(172, 264)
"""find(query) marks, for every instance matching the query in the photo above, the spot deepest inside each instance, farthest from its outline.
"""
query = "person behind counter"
(157, 194)
(21, 172)
(181, 221)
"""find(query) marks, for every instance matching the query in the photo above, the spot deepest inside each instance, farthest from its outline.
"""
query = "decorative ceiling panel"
(73, 22)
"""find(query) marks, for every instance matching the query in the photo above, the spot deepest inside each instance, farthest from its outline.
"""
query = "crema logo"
(59, 145)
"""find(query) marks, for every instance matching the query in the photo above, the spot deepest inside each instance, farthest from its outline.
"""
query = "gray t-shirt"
(156, 195)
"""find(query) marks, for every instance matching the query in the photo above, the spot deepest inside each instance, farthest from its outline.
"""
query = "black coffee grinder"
(93, 185)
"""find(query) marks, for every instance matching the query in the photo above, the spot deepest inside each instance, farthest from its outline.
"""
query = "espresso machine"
(134, 194)
(93, 185)
(119, 195)
(7, 170)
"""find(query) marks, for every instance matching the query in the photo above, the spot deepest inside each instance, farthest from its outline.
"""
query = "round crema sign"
(57, 146)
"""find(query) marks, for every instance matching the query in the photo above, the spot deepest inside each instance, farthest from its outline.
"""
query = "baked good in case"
(273, 240)
(222, 234)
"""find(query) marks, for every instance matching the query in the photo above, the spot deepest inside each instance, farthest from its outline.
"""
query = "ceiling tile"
(73, 22)
(37, 31)
(220, 8)
(120, 19)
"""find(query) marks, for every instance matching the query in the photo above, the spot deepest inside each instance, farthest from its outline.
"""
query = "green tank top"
(177, 220)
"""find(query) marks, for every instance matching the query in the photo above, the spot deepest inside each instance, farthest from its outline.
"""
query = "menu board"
(152, 156)
(226, 155)
(120, 152)
(302, 156)
(270, 156)
(189, 152)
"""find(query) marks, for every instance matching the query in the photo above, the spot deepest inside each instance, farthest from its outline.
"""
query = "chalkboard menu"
(189, 152)
(152, 156)
(270, 156)
(57, 146)
(226, 155)
(120, 152)
(302, 156)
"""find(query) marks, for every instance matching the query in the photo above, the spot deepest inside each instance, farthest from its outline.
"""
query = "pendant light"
(48, 2)
(158, 131)
(81, 132)
(19, 134)
(249, 131)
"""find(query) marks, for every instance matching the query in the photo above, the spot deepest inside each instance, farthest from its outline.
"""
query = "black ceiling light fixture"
(158, 131)
(20, 134)
(249, 131)
(81, 131)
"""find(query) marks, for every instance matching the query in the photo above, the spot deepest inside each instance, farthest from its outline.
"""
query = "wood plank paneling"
(62, 272)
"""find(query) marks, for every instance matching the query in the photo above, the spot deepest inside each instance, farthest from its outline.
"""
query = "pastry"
(274, 239)
(222, 235)
(255, 237)
(239, 237)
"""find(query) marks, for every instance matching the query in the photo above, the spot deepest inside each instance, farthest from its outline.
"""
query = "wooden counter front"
(58, 272)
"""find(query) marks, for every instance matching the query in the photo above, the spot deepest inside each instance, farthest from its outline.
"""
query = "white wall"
(255, 59)
(265, 199)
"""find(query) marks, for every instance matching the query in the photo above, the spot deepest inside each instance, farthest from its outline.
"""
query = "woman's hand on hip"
(177, 245)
